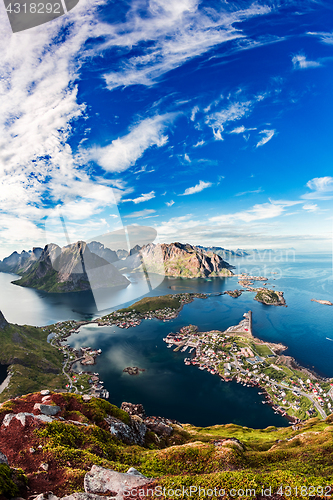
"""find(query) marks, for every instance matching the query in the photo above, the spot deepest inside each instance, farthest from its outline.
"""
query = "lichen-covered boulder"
(108, 482)
(134, 433)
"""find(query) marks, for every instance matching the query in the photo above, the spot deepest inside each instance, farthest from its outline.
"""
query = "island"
(235, 354)
(133, 370)
(325, 302)
(270, 297)
(234, 293)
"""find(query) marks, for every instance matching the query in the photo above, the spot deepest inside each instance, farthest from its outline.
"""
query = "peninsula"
(235, 354)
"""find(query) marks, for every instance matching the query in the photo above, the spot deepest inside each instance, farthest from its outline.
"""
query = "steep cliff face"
(186, 261)
(70, 269)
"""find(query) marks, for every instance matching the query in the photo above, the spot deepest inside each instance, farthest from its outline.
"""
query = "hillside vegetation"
(223, 456)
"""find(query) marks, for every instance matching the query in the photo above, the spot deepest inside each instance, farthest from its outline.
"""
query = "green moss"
(7, 486)
(153, 303)
(99, 409)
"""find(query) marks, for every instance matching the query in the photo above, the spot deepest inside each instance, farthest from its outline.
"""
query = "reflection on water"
(167, 387)
(170, 388)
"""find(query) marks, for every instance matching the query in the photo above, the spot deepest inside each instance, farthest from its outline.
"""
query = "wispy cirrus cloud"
(324, 37)
(241, 130)
(255, 191)
(321, 189)
(268, 134)
(301, 62)
(169, 203)
(232, 112)
(124, 151)
(140, 213)
(197, 188)
(142, 198)
(311, 207)
(268, 210)
(178, 30)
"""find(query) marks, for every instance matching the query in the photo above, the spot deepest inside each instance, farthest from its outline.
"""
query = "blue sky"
(210, 121)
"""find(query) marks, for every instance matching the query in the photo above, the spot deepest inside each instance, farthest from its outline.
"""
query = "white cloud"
(322, 188)
(123, 152)
(234, 111)
(187, 158)
(241, 130)
(140, 213)
(238, 130)
(268, 136)
(217, 134)
(310, 207)
(39, 107)
(257, 212)
(194, 112)
(323, 36)
(300, 62)
(259, 190)
(197, 188)
(169, 203)
(142, 198)
(178, 30)
(199, 143)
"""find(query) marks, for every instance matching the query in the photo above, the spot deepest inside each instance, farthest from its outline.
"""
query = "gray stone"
(3, 459)
(129, 434)
(47, 409)
(135, 472)
(111, 483)
(46, 496)
(86, 397)
(86, 496)
(21, 417)
(45, 392)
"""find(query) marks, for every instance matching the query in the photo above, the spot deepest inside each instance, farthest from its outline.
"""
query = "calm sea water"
(170, 388)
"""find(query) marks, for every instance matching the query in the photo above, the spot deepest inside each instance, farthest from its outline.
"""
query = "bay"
(170, 388)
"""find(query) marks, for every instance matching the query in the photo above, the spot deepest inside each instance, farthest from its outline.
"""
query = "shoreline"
(235, 354)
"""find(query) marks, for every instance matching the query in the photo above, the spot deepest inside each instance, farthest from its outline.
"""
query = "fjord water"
(170, 388)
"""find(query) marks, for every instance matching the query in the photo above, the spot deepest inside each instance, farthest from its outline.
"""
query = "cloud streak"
(124, 151)
(197, 188)
(268, 134)
(178, 30)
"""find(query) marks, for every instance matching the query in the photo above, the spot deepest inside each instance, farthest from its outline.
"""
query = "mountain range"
(82, 266)
(70, 269)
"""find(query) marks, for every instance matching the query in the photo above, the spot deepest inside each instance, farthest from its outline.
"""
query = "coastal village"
(235, 354)
(87, 382)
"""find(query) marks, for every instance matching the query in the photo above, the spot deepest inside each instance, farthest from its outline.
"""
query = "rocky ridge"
(70, 269)
(185, 260)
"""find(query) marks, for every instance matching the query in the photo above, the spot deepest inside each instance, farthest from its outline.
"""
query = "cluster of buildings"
(232, 355)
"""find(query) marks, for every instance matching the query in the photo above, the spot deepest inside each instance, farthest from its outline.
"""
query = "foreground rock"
(108, 482)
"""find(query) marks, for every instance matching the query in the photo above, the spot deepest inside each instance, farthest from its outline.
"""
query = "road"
(305, 394)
